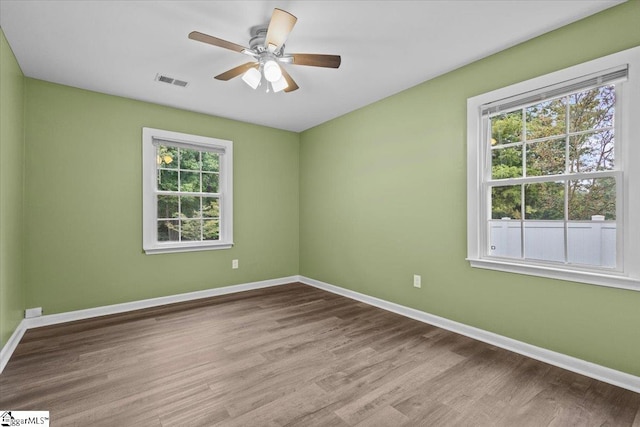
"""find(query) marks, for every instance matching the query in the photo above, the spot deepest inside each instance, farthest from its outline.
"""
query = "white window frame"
(150, 242)
(627, 275)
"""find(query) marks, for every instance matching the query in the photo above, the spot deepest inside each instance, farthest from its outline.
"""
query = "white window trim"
(627, 141)
(149, 204)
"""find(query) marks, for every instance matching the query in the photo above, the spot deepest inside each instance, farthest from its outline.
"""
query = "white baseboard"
(589, 369)
(11, 344)
(52, 319)
(602, 373)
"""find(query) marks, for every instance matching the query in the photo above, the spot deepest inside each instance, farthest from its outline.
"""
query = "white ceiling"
(118, 47)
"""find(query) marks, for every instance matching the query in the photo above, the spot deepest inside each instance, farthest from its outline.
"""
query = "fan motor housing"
(258, 38)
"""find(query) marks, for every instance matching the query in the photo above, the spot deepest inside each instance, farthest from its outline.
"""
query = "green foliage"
(507, 162)
(546, 119)
(506, 202)
(502, 171)
(507, 128)
(181, 216)
(592, 197)
(546, 157)
(544, 201)
(590, 116)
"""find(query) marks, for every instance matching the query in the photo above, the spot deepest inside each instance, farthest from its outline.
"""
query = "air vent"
(170, 80)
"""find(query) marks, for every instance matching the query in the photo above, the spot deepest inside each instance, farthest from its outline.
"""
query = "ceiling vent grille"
(170, 80)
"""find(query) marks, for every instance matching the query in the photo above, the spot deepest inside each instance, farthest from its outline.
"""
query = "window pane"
(167, 157)
(211, 230)
(190, 182)
(592, 231)
(589, 197)
(592, 109)
(544, 200)
(546, 157)
(592, 243)
(191, 229)
(506, 162)
(189, 159)
(168, 180)
(167, 207)
(546, 119)
(210, 162)
(505, 237)
(590, 152)
(506, 128)
(168, 231)
(210, 182)
(544, 225)
(506, 202)
(210, 207)
(190, 207)
(544, 240)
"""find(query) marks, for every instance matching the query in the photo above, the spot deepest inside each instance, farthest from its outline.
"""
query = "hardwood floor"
(291, 355)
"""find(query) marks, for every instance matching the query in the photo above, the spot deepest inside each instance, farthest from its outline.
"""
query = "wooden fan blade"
(316, 60)
(205, 38)
(280, 26)
(235, 72)
(292, 84)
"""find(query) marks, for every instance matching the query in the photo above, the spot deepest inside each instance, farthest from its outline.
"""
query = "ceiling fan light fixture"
(280, 84)
(252, 77)
(272, 71)
(267, 48)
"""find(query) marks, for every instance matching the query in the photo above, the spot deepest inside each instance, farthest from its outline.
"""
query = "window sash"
(220, 196)
(487, 182)
(152, 138)
(487, 219)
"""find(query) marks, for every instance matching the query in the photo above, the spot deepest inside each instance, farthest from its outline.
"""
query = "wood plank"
(291, 355)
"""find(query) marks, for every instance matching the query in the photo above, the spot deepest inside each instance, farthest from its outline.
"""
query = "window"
(553, 181)
(187, 191)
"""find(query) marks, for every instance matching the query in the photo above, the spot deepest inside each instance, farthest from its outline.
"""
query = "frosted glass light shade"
(280, 84)
(272, 71)
(252, 77)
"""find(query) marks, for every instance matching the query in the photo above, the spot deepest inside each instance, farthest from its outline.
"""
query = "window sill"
(165, 249)
(600, 279)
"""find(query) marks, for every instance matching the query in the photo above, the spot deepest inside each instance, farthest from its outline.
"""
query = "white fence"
(588, 242)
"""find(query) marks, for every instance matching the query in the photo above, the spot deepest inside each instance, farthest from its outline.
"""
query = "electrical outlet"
(33, 312)
(417, 281)
(234, 263)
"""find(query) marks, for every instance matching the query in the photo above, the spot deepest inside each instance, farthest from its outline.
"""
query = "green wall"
(383, 197)
(364, 202)
(11, 191)
(83, 202)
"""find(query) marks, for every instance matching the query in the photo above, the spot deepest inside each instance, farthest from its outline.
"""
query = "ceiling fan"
(267, 49)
